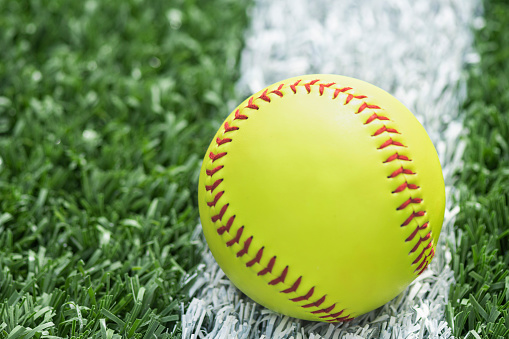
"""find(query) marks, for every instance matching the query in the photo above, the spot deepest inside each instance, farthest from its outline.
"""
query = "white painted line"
(417, 51)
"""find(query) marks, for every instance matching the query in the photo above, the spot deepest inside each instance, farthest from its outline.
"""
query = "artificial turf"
(106, 109)
(479, 301)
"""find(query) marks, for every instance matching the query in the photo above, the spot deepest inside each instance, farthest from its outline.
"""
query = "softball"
(322, 197)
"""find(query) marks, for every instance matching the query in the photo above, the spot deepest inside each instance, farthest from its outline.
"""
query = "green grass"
(106, 109)
(479, 302)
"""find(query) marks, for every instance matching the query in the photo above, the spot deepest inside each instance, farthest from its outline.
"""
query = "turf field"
(106, 109)
(479, 302)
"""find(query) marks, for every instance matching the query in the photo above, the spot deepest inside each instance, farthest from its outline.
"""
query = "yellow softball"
(322, 197)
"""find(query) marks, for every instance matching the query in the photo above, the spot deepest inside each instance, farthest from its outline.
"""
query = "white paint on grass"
(417, 51)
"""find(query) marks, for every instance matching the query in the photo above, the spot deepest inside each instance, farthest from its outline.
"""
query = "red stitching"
(348, 99)
(293, 87)
(345, 319)
(414, 233)
(228, 128)
(423, 269)
(281, 278)
(421, 240)
(216, 198)
(398, 157)
(237, 237)
(391, 142)
(374, 117)
(256, 259)
(220, 141)
(399, 171)
(385, 129)
(432, 252)
(423, 263)
(221, 213)
(340, 90)
(308, 85)
(408, 202)
(335, 315)
(430, 245)
(305, 297)
(427, 259)
(251, 105)
(264, 96)
(325, 310)
(316, 303)
(412, 216)
(365, 105)
(217, 156)
(226, 228)
(269, 267)
(212, 187)
(239, 116)
(404, 186)
(294, 286)
(244, 250)
(278, 91)
(322, 87)
(213, 171)
(418, 258)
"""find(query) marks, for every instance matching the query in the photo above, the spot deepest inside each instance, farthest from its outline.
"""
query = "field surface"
(107, 108)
